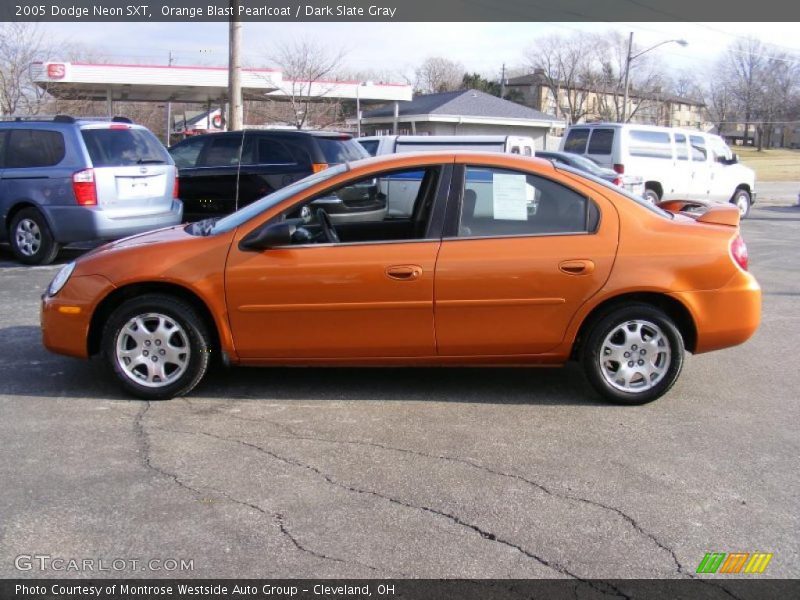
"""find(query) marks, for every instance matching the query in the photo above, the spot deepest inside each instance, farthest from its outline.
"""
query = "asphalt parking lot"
(503, 473)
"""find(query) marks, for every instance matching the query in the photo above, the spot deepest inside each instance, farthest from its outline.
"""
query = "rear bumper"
(725, 317)
(82, 224)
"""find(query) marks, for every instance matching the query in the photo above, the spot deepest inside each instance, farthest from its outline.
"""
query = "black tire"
(741, 199)
(31, 239)
(669, 356)
(651, 196)
(189, 329)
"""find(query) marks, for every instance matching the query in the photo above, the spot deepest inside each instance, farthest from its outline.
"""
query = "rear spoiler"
(704, 212)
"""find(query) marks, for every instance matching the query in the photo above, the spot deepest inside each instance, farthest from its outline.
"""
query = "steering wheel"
(327, 226)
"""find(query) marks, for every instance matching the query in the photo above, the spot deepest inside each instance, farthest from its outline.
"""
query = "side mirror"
(268, 236)
(734, 158)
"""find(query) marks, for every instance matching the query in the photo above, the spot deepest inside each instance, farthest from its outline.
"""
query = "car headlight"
(60, 279)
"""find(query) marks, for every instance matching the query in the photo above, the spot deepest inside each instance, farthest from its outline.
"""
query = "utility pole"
(503, 82)
(627, 73)
(169, 108)
(234, 69)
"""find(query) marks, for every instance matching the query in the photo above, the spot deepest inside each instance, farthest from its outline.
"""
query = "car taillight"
(176, 188)
(317, 167)
(620, 169)
(739, 252)
(84, 188)
(617, 181)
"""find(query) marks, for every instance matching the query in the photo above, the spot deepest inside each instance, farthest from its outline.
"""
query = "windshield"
(251, 210)
(619, 190)
(123, 146)
(339, 150)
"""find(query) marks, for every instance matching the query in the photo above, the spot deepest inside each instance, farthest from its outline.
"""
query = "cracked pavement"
(502, 473)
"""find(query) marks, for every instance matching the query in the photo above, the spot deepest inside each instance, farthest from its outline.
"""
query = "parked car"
(379, 145)
(633, 184)
(223, 172)
(564, 265)
(675, 163)
(66, 180)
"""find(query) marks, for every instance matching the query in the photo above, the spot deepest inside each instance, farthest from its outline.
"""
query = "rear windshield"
(371, 146)
(123, 147)
(576, 141)
(337, 150)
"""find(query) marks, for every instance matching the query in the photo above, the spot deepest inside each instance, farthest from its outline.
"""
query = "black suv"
(222, 172)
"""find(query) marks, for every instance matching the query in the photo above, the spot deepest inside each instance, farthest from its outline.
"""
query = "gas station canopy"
(206, 85)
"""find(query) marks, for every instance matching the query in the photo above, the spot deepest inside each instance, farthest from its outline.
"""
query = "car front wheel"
(651, 196)
(633, 355)
(157, 346)
(742, 201)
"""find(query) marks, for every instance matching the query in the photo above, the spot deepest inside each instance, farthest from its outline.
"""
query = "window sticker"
(510, 197)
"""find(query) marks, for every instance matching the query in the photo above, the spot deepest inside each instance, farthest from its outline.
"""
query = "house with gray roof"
(464, 112)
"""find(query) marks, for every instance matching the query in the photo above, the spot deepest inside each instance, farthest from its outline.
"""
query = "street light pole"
(627, 74)
(631, 57)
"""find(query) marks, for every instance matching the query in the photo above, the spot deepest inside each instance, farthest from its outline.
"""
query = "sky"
(399, 47)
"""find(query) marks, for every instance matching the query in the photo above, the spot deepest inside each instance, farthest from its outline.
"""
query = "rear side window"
(222, 151)
(186, 153)
(576, 141)
(681, 151)
(28, 148)
(601, 141)
(371, 146)
(3, 136)
(273, 152)
(120, 147)
(501, 202)
(649, 144)
(338, 151)
(699, 152)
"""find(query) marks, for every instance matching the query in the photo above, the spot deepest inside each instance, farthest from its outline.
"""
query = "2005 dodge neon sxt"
(449, 258)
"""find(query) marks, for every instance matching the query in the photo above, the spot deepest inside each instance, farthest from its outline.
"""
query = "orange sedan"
(429, 259)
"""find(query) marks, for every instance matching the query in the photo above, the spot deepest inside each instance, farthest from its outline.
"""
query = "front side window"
(3, 136)
(29, 148)
(391, 206)
(500, 202)
(187, 152)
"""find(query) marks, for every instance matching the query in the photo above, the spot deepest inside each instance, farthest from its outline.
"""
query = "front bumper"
(66, 317)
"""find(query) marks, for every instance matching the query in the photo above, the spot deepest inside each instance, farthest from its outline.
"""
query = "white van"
(394, 144)
(675, 163)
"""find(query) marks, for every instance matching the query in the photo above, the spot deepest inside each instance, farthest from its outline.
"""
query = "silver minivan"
(65, 180)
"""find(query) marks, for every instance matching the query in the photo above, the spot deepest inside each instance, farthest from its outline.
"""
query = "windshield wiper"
(150, 161)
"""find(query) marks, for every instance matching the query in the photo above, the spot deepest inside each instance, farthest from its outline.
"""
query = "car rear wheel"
(157, 346)
(742, 201)
(31, 240)
(633, 355)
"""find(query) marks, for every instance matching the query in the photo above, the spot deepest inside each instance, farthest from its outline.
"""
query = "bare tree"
(565, 65)
(720, 102)
(779, 83)
(21, 45)
(745, 71)
(437, 74)
(307, 66)
(645, 77)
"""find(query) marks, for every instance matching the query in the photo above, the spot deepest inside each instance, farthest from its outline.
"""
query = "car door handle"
(404, 272)
(577, 267)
